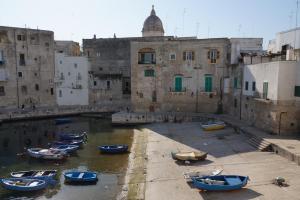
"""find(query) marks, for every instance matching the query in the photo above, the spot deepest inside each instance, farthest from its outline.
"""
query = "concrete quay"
(227, 150)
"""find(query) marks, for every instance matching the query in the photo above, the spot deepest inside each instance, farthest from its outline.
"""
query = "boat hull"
(68, 142)
(113, 149)
(35, 174)
(67, 148)
(213, 126)
(73, 136)
(220, 183)
(80, 177)
(23, 185)
(190, 156)
(62, 121)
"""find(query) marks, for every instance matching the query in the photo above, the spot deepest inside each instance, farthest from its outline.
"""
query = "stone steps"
(260, 144)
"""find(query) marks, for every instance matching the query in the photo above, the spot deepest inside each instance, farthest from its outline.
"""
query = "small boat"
(220, 183)
(196, 174)
(113, 148)
(212, 126)
(47, 154)
(35, 174)
(81, 176)
(189, 155)
(71, 136)
(62, 121)
(69, 148)
(68, 142)
(23, 184)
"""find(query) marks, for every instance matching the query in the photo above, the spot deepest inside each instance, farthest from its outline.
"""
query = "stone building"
(70, 48)
(26, 67)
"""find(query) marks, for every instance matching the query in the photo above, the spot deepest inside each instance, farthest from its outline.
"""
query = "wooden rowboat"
(38, 174)
(212, 126)
(23, 184)
(81, 176)
(114, 149)
(189, 155)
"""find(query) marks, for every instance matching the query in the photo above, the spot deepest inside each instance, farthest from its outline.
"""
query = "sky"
(81, 19)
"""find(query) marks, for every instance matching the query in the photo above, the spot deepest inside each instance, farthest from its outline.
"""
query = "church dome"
(153, 25)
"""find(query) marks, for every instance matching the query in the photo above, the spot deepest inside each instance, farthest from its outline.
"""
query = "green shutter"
(235, 83)
(297, 91)
(178, 84)
(149, 73)
(265, 90)
(208, 83)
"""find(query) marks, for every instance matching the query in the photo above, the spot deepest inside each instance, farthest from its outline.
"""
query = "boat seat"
(80, 175)
(233, 181)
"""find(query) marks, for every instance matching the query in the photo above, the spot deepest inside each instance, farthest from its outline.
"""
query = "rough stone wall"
(37, 77)
(193, 73)
(69, 48)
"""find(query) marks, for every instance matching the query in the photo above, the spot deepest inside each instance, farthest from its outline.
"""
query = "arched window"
(146, 56)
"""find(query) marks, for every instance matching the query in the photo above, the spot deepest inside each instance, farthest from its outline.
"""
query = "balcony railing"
(147, 62)
(177, 90)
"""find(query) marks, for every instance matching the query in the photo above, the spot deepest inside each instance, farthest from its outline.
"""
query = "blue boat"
(220, 182)
(35, 174)
(81, 176)
(71, 136)
(69, 148)
(62, 121)
(23, 184)
(113, 148)
(68, 142)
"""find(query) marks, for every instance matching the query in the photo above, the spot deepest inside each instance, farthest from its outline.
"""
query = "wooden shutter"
(193, 55)
(184, 55)
(218, 54)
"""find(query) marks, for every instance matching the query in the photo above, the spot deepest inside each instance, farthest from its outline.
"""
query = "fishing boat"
(196, 174)
(65, 147)
(220, 183)
(47, 154)
(59, 121)
(212, 126)
(189, 155)
(35, 174)
(23, 184)
(81, 176)
(71, 136)
(68, 142)
(113, 148)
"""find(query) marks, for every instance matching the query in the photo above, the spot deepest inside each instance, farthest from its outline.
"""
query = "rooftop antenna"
(297, 4)
(184, 11)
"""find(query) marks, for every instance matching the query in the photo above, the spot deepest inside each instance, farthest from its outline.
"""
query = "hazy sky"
(78, 19)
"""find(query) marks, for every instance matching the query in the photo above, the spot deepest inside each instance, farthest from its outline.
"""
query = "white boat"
(48, 154)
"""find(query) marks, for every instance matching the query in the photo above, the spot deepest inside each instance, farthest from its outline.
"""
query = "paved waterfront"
(227, 150)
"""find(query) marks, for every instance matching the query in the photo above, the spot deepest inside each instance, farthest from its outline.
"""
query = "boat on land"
(59, 121)
(189, 155)
(69, 148)
(212, 126)
(114, 149)
(196, 174)
(81, 176)
(47, 154)
(72, 136)
(68, 142)
(23, 184)
(34, 174)
(220, 183)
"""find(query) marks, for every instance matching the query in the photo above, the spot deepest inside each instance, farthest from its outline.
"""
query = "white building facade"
(71, 77)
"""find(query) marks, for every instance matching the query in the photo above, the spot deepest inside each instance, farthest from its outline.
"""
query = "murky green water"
(15, 137)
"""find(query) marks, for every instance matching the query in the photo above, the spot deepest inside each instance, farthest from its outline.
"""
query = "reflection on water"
(16, 137)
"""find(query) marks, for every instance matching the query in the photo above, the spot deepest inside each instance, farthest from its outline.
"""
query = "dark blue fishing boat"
(68, 142)
(220, 183)
(81, 176)
(113, 148)
(62, 121)
(35, 174)
(23, 184)
(69, 148)
(71, 136)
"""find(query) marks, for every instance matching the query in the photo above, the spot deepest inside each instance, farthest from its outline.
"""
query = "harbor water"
(17, 136)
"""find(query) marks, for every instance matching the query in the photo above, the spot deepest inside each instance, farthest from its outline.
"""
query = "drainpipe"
(279, 127)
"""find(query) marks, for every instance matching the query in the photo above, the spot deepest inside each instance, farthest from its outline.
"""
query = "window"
(21, 37)
(100, 68)
(253, 86)
(213, 55)
(88, 53)
(1, 58)
(154, 96)
(62, 77)
(235, 102)
(60, 93)
(149, 73)
(246, 85)
(235, 83)
(297, 91)
(60, 62)
(75, 65)
(95, 83)
(208, 83)
(265, 90)
(69, 73)
(47, 44)
(79, 76)
(172, 56)
(188, 55)
(20, 74)
(37, 88)
(2, 91)
(178, 83)
(52, 91)
(24, 89)
(146, 56)
(108, 85)
(98, 54)
(22, 59)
